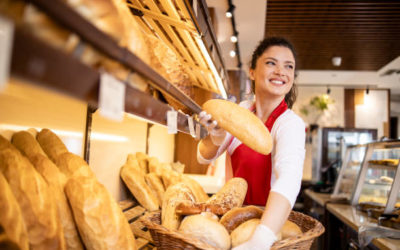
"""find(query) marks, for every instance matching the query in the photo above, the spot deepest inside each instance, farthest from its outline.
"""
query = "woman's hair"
(265, 44)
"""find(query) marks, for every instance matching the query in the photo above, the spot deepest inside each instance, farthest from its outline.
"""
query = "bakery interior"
(119, 82)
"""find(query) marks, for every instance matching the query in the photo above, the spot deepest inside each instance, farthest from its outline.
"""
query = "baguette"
(239, 215)
(71, 165)
(11, 217)
(142, 160)
(231, 195)
(134, 161)
(100, 221)
(241, 123)
(155, 184)
(27, 144)
(197, 189)
(51, 144)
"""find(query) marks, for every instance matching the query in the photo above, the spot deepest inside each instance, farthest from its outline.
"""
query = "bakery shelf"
(64, 73)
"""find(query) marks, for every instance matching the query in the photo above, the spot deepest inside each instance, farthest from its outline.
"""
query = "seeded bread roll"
(11, 217)
(231, 195)
(241, 123)
(51, 144)
(100, 221)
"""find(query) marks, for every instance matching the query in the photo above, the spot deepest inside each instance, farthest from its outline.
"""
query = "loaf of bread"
(206, 229)
(11, 217)
(56, 181)
(189, 208)
(241, 123)
(290, 229)
(169, 177)
(238, 215)
(231, 195)
(143, 162)
(51, 144)
(35, 200)
(135, 181)
(5, 144)
(173, 196)
(71, 164)
(100, 221)
(198, 191)
(5, 241)
(244, 231)
(27, 144)
(178, 167)
(155, 184)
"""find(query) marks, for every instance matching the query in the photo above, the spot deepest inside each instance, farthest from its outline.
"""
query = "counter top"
(320, 198)
(355, 219)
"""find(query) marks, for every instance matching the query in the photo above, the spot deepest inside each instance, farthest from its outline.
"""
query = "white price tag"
(195, 7)
(111, 97)
(198, 129)
(172, 122)
(191, 126)
(6, 39)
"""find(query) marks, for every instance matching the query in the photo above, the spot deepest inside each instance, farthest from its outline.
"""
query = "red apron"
(254, 167)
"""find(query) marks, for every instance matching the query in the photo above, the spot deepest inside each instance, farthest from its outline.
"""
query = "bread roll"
(142, 160)
(231, 195)
(243, 232)
(172, 197)
(35, 200)
(71, 164)
(238, 215)
(241, 123)
(56, 181)
(198, 191)
(207, 230)
(290, 229)
(134, 180)
(11, 217)
(27, 144)
(51, 144)
(100, 221)
(155, 184)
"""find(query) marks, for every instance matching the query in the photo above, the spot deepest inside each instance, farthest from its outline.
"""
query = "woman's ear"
(251, 73)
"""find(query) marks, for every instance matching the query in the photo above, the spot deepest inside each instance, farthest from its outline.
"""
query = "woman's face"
(274, 72)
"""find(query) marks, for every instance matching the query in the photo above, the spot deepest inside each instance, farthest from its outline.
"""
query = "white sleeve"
(288, 158)
(221, 150)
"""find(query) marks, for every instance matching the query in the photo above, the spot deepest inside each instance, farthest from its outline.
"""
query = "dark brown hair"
(265, 44)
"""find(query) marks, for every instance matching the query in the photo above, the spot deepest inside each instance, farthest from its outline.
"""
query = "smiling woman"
(274, 180)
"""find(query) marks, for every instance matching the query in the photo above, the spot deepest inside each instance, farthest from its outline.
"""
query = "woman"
(274, 180)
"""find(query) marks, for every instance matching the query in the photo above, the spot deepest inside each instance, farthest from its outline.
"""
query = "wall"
(395, 111)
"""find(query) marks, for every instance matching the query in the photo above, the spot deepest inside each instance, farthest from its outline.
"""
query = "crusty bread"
(134, 180)
(11, 216)
(290, 229)
(134, 161)
(231, 195)
(241, 123)
(172, 197)
(5, 144)
(56, 181)
(27, 144)
(71, 164)
(244, 231)
(168, 176)
(155, 184)
(178, 167)
(35, 200)
(206, 229)
(100, 221)
(238, 215)
(197, 189)
(51, 144)
(143, 162)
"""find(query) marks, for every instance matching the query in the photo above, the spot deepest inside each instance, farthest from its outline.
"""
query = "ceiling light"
(228, 14)
(232, 53)
(234, 39)
(336, 61)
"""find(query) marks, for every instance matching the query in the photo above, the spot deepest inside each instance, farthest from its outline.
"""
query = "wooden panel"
(349, 108)
(364, 33)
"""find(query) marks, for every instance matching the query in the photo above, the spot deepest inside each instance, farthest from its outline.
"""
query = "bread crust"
(231, 195)
(239, 215)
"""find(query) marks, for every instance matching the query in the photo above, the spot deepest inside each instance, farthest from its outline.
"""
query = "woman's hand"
(217, 134)
(262, 239)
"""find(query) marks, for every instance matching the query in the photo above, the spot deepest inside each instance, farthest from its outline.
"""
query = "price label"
(6, 39)
(198, 129)
(195, 7)
(172, 122)
(191, 126)
(111, 97)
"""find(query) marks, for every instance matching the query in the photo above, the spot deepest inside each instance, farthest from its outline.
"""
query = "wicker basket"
(172, 239)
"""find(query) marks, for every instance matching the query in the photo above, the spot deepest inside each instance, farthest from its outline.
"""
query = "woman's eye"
(270, 63)
(289, 66)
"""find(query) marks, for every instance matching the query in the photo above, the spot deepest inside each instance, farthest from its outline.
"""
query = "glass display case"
(351, 166)
(379, 181)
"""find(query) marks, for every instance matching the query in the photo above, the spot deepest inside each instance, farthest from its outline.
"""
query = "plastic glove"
(217, 134)
(262, 239)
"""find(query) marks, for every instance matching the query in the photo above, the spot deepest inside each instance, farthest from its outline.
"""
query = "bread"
(6, 242)
(207, 230)
(51, 144)
(243, 232)
(71, 164)
(189, 208)
(197, 189)
(35, 200)
(134, 161)
(178, 167)
(155, 184)
(238, 215)
(231, 195)
(134, 180)
(27, 144)
(56, 181)
(172, 197)
(241, 123)
(11, 217)
(100, 221)
(169, 177)
(5, 144)
(143, 163)
(290, 229)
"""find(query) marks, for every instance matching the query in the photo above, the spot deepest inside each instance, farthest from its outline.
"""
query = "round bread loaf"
(241, 123)
(206, 229)
(243, 232)
(238, 215)
(290, 229)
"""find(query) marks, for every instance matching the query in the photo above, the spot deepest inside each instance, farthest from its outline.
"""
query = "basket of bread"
(220, 222)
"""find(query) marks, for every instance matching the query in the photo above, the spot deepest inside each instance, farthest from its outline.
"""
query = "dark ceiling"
(366, 34)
